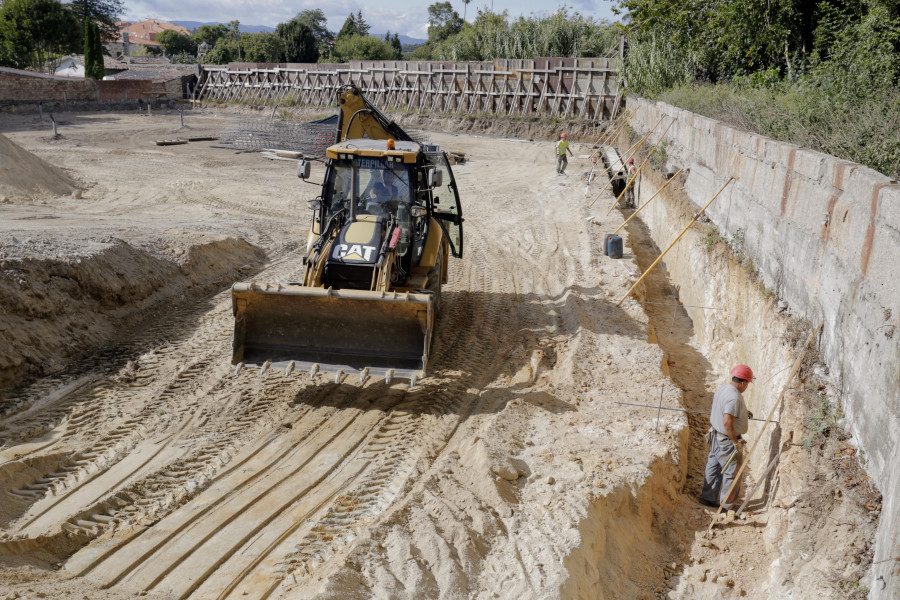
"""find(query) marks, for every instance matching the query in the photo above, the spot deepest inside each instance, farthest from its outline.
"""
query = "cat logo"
(356, 252)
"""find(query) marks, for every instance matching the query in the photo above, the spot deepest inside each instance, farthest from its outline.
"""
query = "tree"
(31, 31)
(443, 22)
(263, 47)
(349, 29)
(362, 26)
(299, 42)
(93, 51)
(465, 7)
(224, 52)
(103, 12)
(363, 47)
(210, 34)
(317, 22)
(354, 25)
(174, 42)
(395, 42)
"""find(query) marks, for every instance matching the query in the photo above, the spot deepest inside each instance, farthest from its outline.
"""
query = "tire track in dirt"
(87, 406)
(383, 458)
(104, 381)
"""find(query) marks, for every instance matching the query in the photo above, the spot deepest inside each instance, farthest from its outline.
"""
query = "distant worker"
(562, 146)
(629, 195)
(729, 419)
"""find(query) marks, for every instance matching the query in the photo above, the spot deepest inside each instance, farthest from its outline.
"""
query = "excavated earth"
(134, 462)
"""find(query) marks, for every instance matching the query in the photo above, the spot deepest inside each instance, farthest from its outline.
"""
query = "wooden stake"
(660, 257)
(777, 403)
(638, 145)
(633, 178)
(648, 201)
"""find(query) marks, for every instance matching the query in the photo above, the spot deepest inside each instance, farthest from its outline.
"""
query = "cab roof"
(369, 147)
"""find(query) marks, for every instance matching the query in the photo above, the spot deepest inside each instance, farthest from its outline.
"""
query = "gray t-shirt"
(728, 400)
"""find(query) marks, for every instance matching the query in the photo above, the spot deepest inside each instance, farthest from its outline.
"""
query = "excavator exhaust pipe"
(296, 328)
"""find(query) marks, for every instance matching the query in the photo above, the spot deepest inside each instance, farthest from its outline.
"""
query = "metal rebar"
(694, 412)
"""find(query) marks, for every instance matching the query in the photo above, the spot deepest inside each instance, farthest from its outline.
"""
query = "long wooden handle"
(648, 201)
(656, 262)
(744, 463)
(633, 178)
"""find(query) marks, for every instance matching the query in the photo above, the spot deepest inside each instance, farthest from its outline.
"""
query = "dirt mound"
(24, 174)
(56, 310)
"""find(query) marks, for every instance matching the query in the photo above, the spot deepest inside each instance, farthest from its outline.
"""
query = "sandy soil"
(134, 462)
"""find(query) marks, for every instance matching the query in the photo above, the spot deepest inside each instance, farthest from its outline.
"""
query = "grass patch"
(858, 128)
(710, 236)
(821, 420)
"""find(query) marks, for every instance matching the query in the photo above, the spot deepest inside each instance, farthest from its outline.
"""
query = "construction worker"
(629, 195)
(397, 187)
(728, 419)
(562, 146)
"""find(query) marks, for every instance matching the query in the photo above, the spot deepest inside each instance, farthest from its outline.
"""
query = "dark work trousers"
(561, 163)
(716, 483)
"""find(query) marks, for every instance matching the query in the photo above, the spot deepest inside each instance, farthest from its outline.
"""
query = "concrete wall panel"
(824, 234)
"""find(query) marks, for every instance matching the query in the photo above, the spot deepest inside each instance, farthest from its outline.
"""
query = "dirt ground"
(134, 462)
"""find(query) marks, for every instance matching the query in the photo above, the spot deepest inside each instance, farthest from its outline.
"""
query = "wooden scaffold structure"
(566, 88)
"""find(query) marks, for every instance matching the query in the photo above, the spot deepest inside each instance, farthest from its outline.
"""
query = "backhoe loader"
(386, 221)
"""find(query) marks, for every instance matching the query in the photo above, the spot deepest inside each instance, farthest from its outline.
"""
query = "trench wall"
(824, 234)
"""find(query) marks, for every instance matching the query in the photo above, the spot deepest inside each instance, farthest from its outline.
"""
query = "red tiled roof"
(145, 32)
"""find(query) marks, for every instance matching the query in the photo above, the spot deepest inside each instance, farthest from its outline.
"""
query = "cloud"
(409, 18)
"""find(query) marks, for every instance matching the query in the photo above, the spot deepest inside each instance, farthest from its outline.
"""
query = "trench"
(660, 518)
(671, 328)
(705, 311)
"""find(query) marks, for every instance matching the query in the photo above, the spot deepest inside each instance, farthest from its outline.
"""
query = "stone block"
(808, 206)
(882, 267)
(841, 234)
(889, 205)
(768, 182)
(836, 171)
(747, 142)
(860, 182)
(810, 164)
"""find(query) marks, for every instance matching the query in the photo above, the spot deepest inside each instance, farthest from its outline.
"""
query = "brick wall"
(22, 86)
(26, 87)
(124, 89)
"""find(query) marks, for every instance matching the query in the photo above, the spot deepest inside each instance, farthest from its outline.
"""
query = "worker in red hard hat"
(729, 419)
(562, 146)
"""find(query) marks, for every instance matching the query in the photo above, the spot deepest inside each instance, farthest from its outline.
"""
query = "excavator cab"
(383, 227)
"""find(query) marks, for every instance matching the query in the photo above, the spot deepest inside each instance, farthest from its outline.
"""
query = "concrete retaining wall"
(824, 234)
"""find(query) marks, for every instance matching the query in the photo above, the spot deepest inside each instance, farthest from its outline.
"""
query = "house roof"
(151, 74)
(145, 32)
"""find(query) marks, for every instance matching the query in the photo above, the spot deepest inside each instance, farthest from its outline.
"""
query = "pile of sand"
(24, 174)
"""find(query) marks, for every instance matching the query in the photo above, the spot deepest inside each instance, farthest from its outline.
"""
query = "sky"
(409, 17)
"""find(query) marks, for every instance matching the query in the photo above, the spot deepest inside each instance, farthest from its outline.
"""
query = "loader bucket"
(296, 327)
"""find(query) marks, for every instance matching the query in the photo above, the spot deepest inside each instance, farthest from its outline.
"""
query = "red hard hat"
(630, 161)
(563, 135)
(742, 372)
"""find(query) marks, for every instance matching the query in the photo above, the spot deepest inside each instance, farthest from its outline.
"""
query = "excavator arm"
(361, 119)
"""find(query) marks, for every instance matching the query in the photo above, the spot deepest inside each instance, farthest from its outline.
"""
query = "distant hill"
(405, 40)
(192, 25)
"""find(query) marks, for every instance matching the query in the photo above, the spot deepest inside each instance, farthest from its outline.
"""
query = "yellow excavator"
(386, 221)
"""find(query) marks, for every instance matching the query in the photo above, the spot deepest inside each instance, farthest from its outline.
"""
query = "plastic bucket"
(614, 246)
